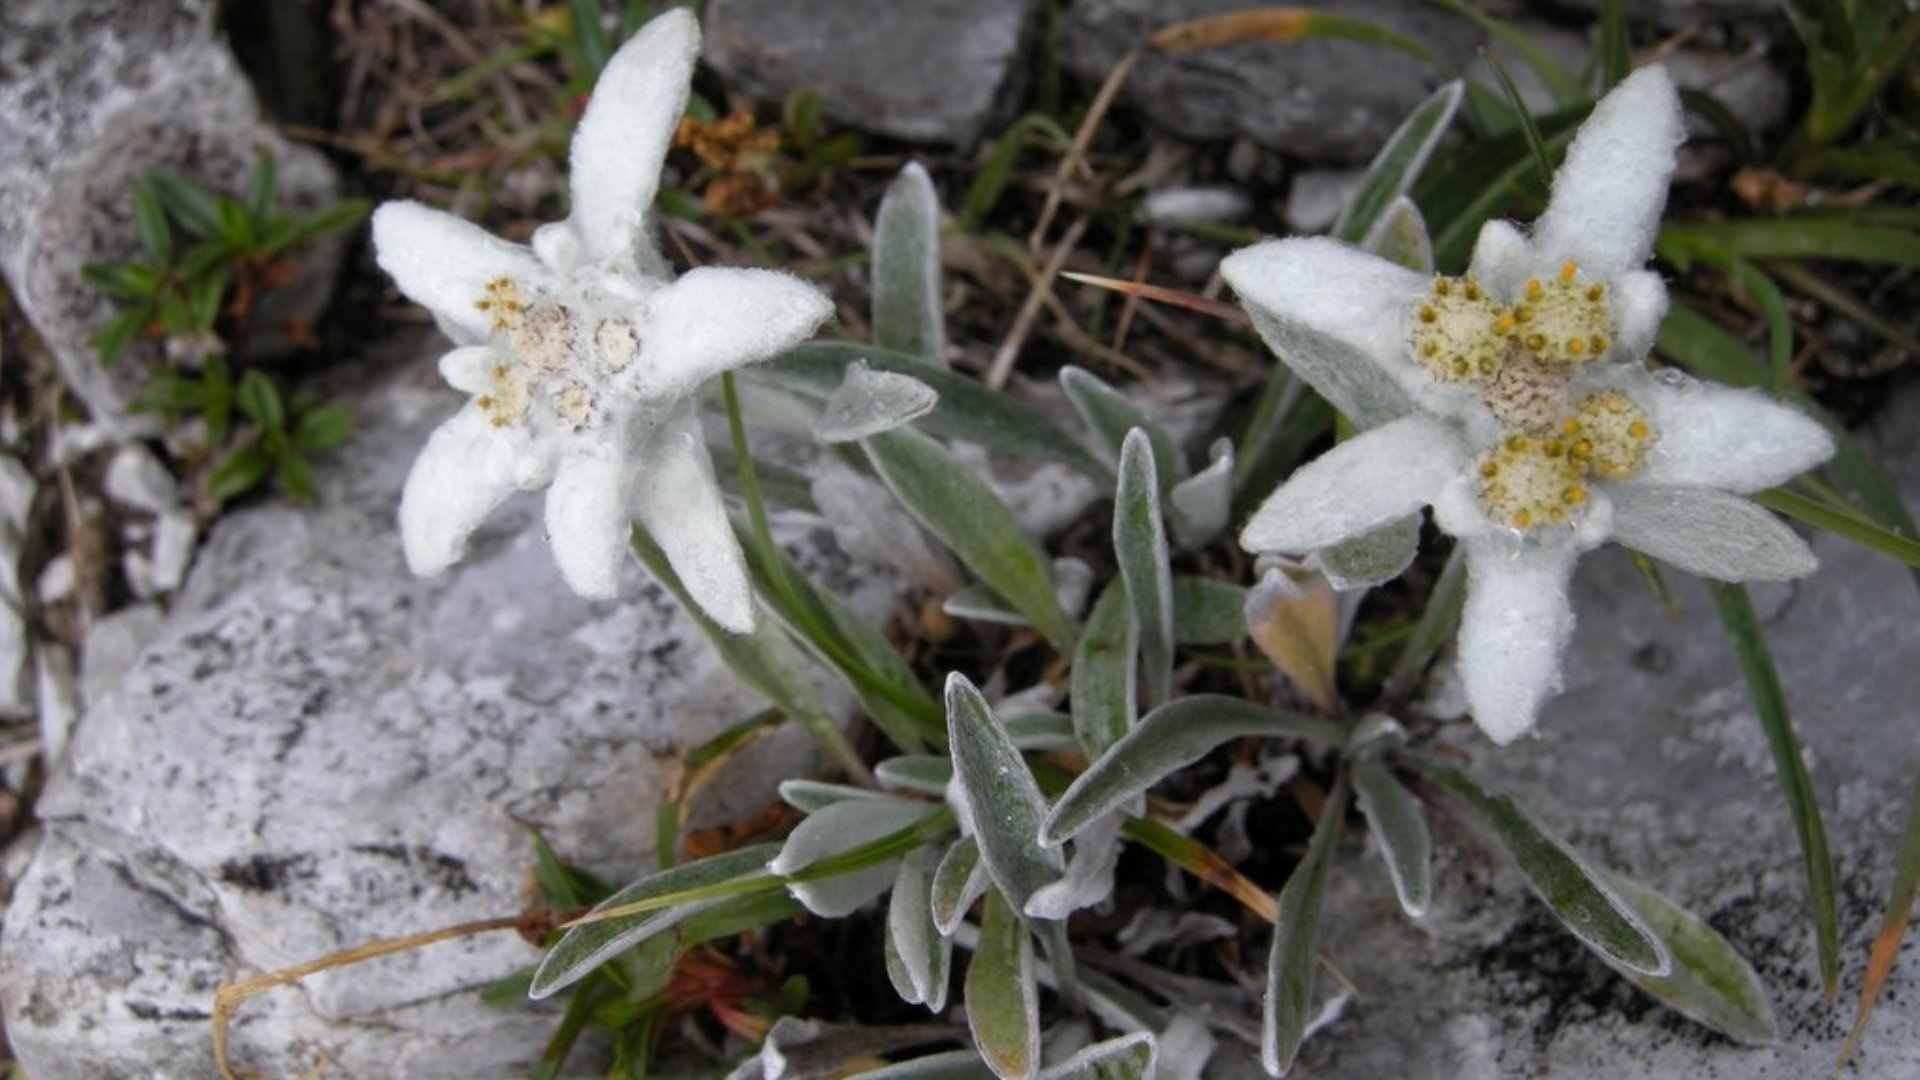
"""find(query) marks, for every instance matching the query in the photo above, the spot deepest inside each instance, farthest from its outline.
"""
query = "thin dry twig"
(1076, 153)
(230, 995)
(1037, 295)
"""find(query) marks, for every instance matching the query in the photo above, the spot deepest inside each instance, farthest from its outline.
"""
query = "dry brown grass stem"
(230, 995)
(1102, 101)
(1037, 296)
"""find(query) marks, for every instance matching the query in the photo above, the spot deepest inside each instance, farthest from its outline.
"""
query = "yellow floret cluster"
(1521, 357)
(1531, 481)
(541, 347)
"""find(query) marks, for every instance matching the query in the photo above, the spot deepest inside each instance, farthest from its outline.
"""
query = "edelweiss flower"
(1517, 402)
(583, 358)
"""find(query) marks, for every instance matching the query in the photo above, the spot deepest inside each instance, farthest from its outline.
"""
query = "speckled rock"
(93, 95)
(318, 749)
(934, 71)
(1329, 101)
(1655, 764)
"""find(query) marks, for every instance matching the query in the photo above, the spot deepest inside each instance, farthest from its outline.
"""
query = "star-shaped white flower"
(1517, 402)
(583, 357)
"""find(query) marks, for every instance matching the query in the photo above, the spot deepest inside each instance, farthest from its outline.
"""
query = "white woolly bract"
(1365, 482)
(1515, 625)
(1711, 436)
(1610, 190)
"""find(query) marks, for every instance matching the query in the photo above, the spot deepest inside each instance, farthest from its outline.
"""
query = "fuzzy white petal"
(624, 135)
(467, 469)
(1515, 626)
(1608, 194)
(676, 498)
(715, 319)
(443, 263)
(1365, 482)
(588, 522)
(1338, 317)
(1639, 302)
(469, 369)
(1709, 533)
(1710, 436)
(1502, 258)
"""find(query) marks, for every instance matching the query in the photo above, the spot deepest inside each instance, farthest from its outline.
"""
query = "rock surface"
(1654, 764)
(934, 71)
(93, 95)
(1331, 101)
(318, 749)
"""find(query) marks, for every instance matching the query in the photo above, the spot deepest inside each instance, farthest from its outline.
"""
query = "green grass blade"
(1799, 237)
(1849, 526)
(1528, 128)
(1770, 701)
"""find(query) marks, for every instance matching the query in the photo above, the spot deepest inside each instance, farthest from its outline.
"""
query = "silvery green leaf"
(1103, 673)
(1398, 164)
(841, 895)
(1207, 611)
(1003, 995)
(1399, 826)
(586, 947)
(1041, 731)
(958, 508)
(1109, 415)
(839, 827)
(967, 411)
(1171, 737)
(927, 774)
(981, 604)
(1374, 557)
(1578, 893)
(959, 880)
(1130, 1057)
(812, 795)
(869, 402)
(1400, 236)
(953, 1065)
(919, 956)
(1089, 878)
(1711, 983)
(907, 312)
(1289, 1000)
(1006, 802)
(1200, 506)
(1140, 546)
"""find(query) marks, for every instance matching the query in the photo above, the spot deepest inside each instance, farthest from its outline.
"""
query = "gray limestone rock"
(934, 71)
(317, 749)
(93, 95)
(1654, 764)
(1331, 101)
